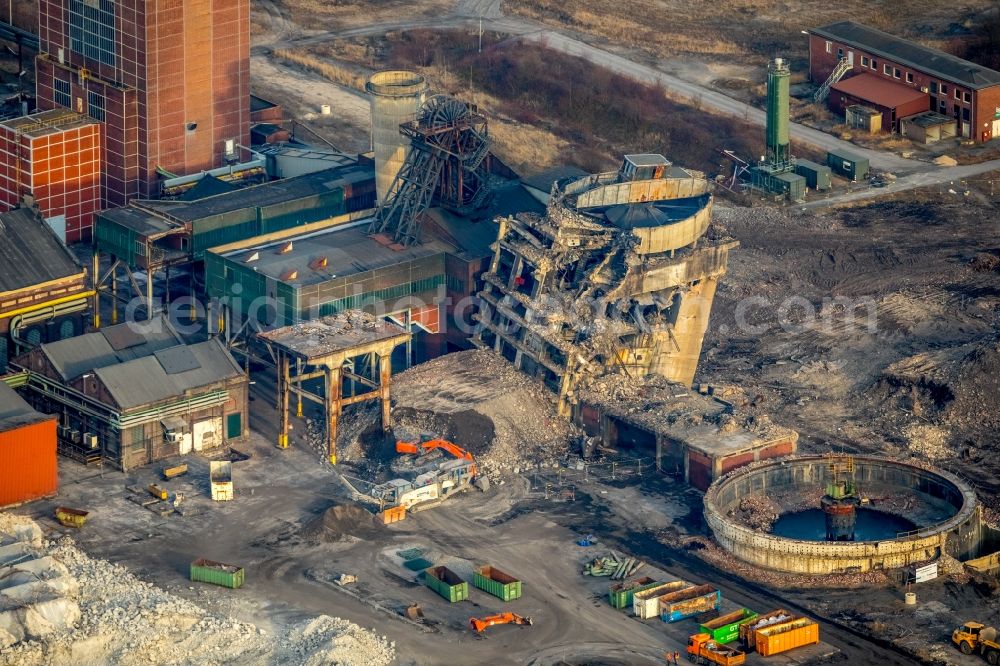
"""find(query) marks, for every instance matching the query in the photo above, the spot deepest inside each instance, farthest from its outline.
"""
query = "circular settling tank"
(905, 513)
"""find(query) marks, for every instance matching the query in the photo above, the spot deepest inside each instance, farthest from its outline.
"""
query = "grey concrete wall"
(957, 535)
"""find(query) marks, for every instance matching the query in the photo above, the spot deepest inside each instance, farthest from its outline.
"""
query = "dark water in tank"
(810, 525)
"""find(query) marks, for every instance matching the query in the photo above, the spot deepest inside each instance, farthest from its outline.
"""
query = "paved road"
(919, 179)
(913, 173)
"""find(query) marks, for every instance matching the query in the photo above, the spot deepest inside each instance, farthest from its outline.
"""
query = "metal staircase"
(837, 74)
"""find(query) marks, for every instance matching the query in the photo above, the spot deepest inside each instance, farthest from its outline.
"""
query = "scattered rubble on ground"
(122, 620)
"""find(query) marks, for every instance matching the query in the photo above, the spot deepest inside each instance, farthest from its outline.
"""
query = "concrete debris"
(928, 441)
(482, 403)
(125, 621)
(759, 512)
(36, 591)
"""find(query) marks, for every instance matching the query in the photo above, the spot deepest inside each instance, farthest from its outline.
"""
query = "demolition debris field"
(904, 361)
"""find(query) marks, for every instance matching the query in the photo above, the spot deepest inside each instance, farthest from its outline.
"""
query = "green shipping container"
(726, 628)
(216, 573)
(447, 583)
(501, 585)
(620, 594)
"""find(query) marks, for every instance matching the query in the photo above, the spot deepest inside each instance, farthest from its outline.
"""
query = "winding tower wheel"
(449, 144)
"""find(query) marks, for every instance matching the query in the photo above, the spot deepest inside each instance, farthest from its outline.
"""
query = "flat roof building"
(55, 157)
(693, 436)
(954, 87)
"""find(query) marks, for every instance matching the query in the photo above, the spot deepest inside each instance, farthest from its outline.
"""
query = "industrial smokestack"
(396, 97)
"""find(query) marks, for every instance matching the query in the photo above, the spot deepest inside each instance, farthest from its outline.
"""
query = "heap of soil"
(341, 521)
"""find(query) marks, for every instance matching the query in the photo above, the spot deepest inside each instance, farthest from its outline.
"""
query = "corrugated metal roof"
(15, 411)
(207, 186)
(142, 222)
(267, 194)
(73, 357)
(922, 58)
(145, 381)
(873, 88)
(31, 253)
(177, 359)
(11, 404)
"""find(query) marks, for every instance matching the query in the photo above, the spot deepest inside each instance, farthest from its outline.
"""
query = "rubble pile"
(36, 591)
(128, 622)
(928, 441)
(758, 512)
(482, 403)
(659, 404)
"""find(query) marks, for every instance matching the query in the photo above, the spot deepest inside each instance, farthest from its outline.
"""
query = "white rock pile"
(125, 621)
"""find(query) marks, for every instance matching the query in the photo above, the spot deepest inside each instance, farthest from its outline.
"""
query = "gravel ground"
(126, 621)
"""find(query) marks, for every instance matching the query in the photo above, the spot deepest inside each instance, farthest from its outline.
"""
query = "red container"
(27, 460)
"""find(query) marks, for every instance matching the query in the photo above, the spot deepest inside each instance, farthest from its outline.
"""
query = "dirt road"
(468, 12)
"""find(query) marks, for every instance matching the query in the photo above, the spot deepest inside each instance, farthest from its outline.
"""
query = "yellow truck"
(974, 637)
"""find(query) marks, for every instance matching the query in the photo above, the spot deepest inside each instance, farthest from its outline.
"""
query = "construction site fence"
(561, 481)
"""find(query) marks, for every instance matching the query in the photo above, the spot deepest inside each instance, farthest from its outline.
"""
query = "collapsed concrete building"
(618, 276)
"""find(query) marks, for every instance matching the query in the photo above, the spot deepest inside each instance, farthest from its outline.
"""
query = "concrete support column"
(283, 386)
(385, 378)
(149, 293)
(332, 398)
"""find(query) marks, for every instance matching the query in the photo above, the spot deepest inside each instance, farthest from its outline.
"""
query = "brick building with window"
(170, 80)
(953, 87)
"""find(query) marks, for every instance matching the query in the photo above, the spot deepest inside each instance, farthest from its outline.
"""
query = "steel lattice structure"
(447, 165)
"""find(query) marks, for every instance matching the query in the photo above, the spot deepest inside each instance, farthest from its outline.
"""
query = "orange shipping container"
(788, 636)
(27, 451)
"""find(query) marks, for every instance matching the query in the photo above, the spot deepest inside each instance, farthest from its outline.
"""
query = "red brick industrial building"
(170, 80)
(953, 87)
(54, 156)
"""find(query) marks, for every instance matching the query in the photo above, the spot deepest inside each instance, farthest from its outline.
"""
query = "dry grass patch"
(348, 13)
(340, 74)
(756, 28)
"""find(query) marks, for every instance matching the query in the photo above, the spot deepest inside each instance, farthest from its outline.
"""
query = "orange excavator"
(431, 444)
(479, 625)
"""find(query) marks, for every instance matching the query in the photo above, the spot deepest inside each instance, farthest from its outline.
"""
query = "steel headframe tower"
(449, 147)
(778, 157)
